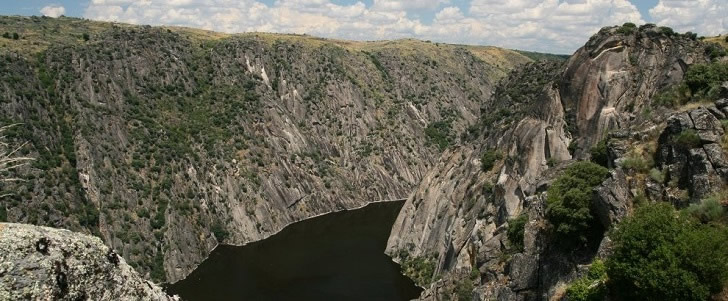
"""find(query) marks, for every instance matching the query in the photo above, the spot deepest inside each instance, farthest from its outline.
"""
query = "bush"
(661, 255)
(464, 290)
(592, 286)
(419, 269)
(220, 232)
(704, 80)
(637, 163)
(438, 133)
(16, 36)
(568, 203)
(627, 29)
(708, 210)
(599, 153)
(687, 139)
(657, 175)
(488, 159)
(516, 228)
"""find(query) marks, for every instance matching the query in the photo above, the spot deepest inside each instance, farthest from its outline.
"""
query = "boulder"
(612, 199)
(40, 263)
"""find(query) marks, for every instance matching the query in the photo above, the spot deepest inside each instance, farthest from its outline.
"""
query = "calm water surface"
(338, 256)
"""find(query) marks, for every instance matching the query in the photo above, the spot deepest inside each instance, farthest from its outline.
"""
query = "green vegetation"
(662, 255)
(464, 290)
(438, 133)
(599, 153)
(420, 269)
(590, 287)
(701, 82)
(568, 203)
(710, 210)
(488, 159)
(687, 139)
(637, 163)
(516, 228)
(627, 29)
(218, 229)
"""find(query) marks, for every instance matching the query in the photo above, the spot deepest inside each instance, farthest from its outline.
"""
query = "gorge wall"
(168, 141)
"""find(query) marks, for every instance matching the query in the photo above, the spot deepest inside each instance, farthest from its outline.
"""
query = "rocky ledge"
(40, 263)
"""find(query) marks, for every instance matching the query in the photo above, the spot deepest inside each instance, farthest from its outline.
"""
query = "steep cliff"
(167, 141)
(541, 119)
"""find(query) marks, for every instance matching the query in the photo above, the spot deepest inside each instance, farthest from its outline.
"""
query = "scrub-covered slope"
(167, 141)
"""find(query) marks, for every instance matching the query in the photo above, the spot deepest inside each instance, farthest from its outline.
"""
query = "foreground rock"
(40, 263)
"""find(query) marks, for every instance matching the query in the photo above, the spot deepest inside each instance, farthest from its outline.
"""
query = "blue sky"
(558, 26)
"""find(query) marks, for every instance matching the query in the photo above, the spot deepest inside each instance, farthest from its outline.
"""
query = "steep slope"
(167, 141)
(40, 263)
(542, 118)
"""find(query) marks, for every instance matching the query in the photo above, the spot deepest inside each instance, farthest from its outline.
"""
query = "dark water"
(338, 256)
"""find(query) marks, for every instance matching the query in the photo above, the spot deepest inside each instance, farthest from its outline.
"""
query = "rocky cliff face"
(39, 263)
(542, 118)
(165, 142)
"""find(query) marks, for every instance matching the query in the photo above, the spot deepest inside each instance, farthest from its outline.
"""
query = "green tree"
(488, 159)
(599, 153)
(15, 36)
(662, 255)
(516, 228)
(568, 202)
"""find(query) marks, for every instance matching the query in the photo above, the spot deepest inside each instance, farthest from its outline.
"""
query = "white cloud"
(707, 17)
(53, 11)
(399, 5)
(558, 26)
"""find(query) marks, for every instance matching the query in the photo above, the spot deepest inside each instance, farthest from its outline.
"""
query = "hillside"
(165, 142)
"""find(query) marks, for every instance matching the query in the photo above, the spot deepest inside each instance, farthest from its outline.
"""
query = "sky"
(555, 26)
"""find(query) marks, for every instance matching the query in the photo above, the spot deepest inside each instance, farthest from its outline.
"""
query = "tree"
(6, 35)
(568, 203)
(659, 254)
(15, 36)
(86, 37)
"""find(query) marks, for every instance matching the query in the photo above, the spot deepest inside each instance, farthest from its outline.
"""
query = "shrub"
(708, 210)
(657, 175)
(627, 29)
(666, 31)
(592, 286)
(599, 153)
(637, 163)
(16, 36)
(464, 290)
(6, 35)
(516, 228)
(86, 37)
(687, 139)
(704, 80)
(438, 133)
(568, 203)
(419, 269)
(661, 255)
(488, 159)
(220, 232)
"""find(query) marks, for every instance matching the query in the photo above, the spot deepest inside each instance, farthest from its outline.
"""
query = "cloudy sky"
(557, 26)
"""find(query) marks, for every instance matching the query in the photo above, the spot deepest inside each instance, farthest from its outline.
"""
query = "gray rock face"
(612, 199)
(39, 263)
(698, 167)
